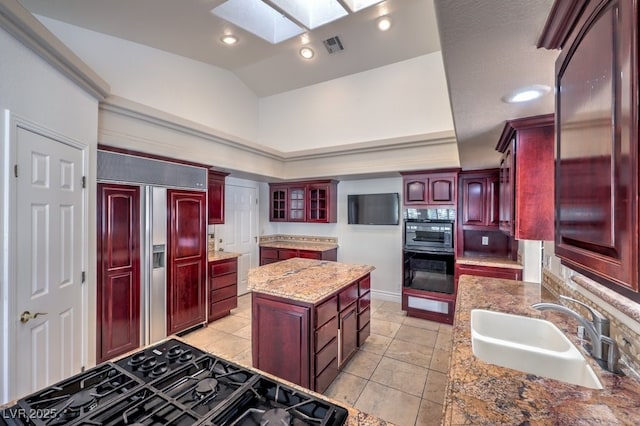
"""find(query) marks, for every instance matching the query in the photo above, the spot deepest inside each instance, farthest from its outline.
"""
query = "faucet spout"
(596, 344)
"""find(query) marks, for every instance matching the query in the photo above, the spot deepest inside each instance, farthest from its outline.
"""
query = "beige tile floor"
(399, 375)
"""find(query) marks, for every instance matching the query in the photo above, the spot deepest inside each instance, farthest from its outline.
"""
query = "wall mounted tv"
(373, 209)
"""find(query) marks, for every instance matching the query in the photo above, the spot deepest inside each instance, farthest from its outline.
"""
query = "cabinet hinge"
(84, 181)
(83, 277)
(256, 201)
(15, 170)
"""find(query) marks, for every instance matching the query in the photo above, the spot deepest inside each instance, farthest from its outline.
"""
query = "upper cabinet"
(430, 188)
(215, 194)
(310, 201)
(479, 199)
(597, 139)
(526, 178)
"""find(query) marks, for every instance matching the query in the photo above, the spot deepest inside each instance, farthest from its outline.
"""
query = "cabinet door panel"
(415, 191)
(348, 333)
(186, 259)
(441, 191)
(118, 286)
(215, 196)
(597, 147)
(279, 329)
(473, 198)
(493, 201)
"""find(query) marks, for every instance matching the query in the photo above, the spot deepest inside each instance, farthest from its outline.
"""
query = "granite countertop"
(482, 393)
(497, 262)
(304, 280)
(216, 255)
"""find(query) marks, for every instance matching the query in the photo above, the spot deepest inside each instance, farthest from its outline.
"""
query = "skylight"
(278, 20)
(259, 19)
(312, 14)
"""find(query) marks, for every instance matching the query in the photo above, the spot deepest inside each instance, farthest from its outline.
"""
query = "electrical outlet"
(485, 240)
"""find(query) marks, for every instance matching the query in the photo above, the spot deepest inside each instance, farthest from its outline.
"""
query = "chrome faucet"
(597, 329)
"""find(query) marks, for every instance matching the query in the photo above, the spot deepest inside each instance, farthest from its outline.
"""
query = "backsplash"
(623, 313)
(299, 238)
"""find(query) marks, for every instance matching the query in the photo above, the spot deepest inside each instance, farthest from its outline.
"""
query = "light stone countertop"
(304, 280)
(496, 262)
(480, 393)
(214, 256)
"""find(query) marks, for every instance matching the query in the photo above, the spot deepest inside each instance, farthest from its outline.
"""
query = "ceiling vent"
(333, 44)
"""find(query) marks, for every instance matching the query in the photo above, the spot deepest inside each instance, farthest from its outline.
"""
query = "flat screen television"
(373, 209)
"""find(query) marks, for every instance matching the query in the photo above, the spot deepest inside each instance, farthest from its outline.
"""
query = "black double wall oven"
(428, 255)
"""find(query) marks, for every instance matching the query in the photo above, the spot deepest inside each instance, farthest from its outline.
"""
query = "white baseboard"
(387, 296)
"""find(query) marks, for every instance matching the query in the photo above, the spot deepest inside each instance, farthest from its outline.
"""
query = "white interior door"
(241, 229)
(49, 237)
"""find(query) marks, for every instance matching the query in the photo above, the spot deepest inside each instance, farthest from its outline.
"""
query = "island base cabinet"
(308, 343)
(280, 333)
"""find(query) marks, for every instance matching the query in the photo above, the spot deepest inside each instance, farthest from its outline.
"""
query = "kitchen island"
(308, 318)
(482, 393)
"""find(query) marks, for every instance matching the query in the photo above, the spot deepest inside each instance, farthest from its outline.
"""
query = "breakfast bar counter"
(483, 393)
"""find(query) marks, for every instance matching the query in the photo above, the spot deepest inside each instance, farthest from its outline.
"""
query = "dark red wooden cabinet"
(186, 259)
(430, 188)
(526, 178)
(215, 197)
(223, 288)
(118, 286)
(308, 201)
(274, 254)
(479, 199)
(597, 137)
(488, 271)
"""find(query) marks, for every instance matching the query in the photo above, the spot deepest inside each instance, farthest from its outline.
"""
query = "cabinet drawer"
(309, 254)
(364, 301)
(364, 318)
(325, 333)
(327, 355)
(224, 280)
(223, 306)
(266, 261)
(326, 376)
(364, 284)
(326, 311)
(363, 334)
(348, 296)
(284, 254)
(224, 293)
(222, 267)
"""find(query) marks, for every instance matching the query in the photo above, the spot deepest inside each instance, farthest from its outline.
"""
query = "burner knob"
(26, 316)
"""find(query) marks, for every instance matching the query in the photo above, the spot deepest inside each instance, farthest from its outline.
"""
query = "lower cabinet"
(306, 343)
(488, 271)
(223, 288)
(273, 254)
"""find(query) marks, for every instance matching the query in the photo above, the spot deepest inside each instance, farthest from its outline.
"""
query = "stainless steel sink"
(530, 345)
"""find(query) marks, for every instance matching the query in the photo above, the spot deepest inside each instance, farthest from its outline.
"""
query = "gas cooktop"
(171, 383)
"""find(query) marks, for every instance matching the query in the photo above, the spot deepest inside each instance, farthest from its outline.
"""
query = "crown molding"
(127, 108)
(22, 25)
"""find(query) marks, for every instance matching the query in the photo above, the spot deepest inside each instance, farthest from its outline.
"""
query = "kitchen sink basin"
(530, 345)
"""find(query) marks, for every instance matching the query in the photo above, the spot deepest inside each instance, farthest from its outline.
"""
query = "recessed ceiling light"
(229, 39)
(306, 52)
(527, 93)
(384, 23)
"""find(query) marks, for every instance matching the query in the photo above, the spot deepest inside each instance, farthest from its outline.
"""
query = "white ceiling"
(488, 48)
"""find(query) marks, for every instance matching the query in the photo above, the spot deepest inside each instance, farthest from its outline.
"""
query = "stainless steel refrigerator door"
(157, 290)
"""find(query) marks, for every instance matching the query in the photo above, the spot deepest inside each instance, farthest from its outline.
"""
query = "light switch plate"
(485, 240)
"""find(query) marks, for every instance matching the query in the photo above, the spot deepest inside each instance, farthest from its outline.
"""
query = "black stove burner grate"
(152, 363)
(269, 403)
(143, 407)
(204, 384)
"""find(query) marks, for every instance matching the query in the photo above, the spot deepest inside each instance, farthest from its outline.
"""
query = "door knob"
(26, 316)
